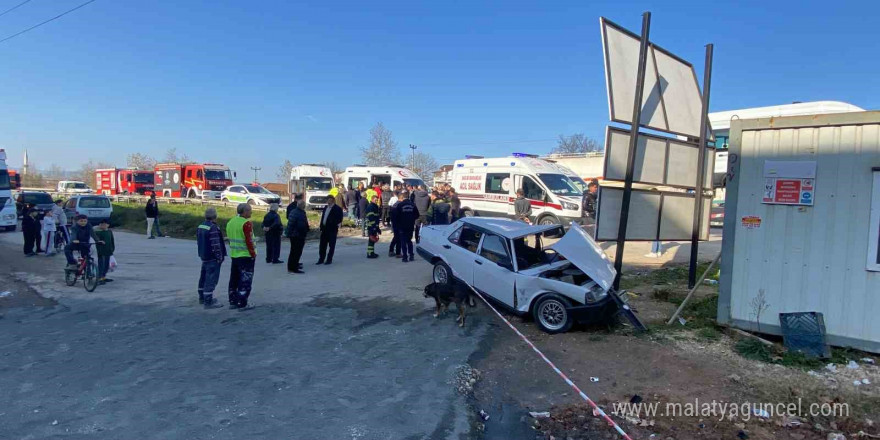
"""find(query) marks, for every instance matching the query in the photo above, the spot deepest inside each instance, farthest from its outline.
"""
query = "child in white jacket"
(48, 232)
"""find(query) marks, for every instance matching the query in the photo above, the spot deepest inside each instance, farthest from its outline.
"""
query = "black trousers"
(328, 238)
(405, 242)
(273, 247)
(30, 240)
(394, 247)
(296, 251)
(385, 216)
(241, 279)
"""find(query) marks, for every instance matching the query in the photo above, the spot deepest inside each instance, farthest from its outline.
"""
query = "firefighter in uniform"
(243, 252)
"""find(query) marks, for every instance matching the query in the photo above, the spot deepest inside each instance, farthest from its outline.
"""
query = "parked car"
(716, 216)
(95, 207)
(32, 199)
(250, 194)
(73, 187)
(516, 265)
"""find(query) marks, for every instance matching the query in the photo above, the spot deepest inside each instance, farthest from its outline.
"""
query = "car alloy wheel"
(551, 314)
(441, 273)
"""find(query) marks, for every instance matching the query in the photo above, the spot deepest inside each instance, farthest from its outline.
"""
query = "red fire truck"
(112, 181)
(14, 180)
(204, 180)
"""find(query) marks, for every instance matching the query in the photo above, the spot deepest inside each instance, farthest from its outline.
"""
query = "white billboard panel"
(671, 101)
(653, 215)
(660, 160)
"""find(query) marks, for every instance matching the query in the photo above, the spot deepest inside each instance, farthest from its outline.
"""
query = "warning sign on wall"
(789, 182)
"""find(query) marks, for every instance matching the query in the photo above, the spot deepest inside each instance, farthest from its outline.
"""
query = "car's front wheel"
(442, 274)
(551, 314)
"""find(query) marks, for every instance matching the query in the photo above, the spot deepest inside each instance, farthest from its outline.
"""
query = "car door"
(493, 270)
(461, 250)
(70, 209)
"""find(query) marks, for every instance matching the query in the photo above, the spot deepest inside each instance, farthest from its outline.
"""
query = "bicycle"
(87, 269)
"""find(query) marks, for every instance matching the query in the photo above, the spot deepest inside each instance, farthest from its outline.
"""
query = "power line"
(47, 21)
(13, 8)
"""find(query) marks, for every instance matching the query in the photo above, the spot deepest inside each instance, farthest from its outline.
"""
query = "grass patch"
(673, 275)
(756, 350)
(182, 221)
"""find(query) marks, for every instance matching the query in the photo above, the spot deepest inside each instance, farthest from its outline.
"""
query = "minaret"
(24, 164)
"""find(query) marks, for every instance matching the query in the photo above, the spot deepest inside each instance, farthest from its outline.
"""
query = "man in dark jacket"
(522, 207)
(386, 204)
(30, 228)
(405, 216)
(352, 197)
(152, 212)
(294, 198)
(422, 200)
(454, 205)
(273, 228)
(212, 251)
(297, 230)
(589, 201)
(438, 212)
(331, 218)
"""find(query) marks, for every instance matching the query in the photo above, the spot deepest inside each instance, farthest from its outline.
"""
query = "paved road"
(345, 351)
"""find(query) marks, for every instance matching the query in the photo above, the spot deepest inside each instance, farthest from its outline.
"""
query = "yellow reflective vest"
(235, 232)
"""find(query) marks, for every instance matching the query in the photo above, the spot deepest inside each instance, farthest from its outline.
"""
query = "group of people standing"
(40, 228)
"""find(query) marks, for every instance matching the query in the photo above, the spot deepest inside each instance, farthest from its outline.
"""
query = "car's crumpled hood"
(578, 248)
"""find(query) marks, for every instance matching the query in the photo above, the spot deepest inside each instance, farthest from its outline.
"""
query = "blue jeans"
(103, 265)
(209, 277)
(656, 248)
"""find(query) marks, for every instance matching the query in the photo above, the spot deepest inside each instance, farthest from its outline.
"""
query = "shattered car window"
(495, 250)
(469, 239)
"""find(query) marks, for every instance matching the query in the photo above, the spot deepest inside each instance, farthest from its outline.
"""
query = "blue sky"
(254, 83)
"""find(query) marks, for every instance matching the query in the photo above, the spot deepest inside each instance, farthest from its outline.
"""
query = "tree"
(54, 173)
(87, 171)
(172, 157)
(424, 165)
(333, 165)
(382, 149)
(577, 143)
(283, 173)
(140, 161)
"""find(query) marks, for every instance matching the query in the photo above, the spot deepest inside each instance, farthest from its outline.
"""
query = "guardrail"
(183, 201)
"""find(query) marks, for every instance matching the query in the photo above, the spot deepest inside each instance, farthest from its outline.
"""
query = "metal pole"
(701, 170)
(693, 289)
(412, 163)
(633, 141)
(255, 174)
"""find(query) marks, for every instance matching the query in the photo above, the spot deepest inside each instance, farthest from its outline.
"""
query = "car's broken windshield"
(530, 250)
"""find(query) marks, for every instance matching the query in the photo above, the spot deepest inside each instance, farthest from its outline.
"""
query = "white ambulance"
(487, 187)
(390, 174)
(8, 217)
(314, 181)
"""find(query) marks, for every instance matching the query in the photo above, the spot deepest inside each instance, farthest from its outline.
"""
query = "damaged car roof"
(507, 228)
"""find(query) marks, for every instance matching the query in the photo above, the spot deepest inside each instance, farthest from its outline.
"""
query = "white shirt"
(326, 213)
(48, 223)
(393, 201)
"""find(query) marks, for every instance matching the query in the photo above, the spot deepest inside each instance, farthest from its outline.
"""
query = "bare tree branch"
(577, 143)
(382, 149)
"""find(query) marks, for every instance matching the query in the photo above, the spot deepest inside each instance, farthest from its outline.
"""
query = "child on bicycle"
(105, 250)
(80, 234)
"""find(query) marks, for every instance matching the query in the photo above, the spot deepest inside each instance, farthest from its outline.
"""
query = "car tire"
(548, 219)
(441, 273)
(551, 314)
(192, 194)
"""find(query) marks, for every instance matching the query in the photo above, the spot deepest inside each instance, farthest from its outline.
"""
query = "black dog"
(444, 294)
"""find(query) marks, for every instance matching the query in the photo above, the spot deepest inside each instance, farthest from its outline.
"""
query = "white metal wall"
(804, 258)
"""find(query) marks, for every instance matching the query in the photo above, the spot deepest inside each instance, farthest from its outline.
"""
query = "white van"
(390, 174)
(73, 187)
(314, 181)
(487, 187)
(8, 217)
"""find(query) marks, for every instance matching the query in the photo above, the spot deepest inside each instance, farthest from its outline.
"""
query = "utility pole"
(256, 169)
(412, 164)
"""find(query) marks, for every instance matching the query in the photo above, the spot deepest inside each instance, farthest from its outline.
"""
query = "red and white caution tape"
(596, 409)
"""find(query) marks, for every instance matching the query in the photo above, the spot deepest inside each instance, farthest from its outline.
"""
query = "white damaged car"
(557, 277)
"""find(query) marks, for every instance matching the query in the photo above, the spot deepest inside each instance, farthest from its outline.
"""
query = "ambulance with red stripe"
(487, 188)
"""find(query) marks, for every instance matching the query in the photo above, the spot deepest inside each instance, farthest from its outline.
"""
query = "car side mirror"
(545, 197)
(234, 175)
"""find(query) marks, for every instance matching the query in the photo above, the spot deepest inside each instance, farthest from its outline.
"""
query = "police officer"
(405, 222)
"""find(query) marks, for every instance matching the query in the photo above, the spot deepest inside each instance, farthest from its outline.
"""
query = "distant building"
(443, 175)
(587, 166)
(277, 188)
